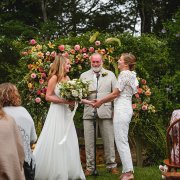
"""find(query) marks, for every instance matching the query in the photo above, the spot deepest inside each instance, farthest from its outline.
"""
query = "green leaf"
(112, 40)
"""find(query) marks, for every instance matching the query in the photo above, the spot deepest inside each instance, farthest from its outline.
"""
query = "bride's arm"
(51, 96)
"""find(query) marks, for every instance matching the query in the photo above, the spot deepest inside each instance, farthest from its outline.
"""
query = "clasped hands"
(96, 103)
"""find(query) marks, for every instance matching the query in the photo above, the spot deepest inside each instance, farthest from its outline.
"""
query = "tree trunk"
(139, 157)
(44, 12)
(73, 14)
(146, 14)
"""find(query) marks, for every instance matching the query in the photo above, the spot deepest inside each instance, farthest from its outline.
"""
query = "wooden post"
(139, 158)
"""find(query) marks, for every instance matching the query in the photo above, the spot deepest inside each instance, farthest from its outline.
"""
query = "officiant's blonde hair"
(57, 67)
(130, 60)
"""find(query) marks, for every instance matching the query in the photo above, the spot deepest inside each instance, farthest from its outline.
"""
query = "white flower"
(72, 82)
(74, 93)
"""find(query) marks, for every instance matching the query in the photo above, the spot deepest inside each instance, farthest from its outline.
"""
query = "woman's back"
(11, 151)
(26, 126)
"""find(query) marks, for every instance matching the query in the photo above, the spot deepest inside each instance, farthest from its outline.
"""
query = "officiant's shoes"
(113, 170)
(87, 172)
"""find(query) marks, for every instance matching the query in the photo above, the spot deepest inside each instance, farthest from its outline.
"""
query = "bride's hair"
(57, 67)
(130, 60)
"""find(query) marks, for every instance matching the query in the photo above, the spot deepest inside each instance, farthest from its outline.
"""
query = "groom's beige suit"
(106, 83)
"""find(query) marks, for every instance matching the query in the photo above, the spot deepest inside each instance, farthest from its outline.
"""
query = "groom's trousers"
(107, 134)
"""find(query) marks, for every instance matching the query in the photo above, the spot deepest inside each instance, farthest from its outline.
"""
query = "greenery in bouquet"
(75, 89)
(142, 101)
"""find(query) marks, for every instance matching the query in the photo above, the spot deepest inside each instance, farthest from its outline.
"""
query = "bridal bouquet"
(74, 90)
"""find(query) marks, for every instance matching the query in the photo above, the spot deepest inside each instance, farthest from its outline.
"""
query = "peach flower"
(148, 93)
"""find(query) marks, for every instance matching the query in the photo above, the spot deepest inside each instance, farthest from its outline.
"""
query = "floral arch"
(38, 56)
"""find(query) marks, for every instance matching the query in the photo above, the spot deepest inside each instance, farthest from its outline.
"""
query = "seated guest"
(11, 148)
(12, 106)
(174, 157)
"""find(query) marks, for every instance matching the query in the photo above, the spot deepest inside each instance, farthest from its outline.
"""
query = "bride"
(54, 161)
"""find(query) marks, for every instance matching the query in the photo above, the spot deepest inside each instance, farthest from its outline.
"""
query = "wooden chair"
(173, 147)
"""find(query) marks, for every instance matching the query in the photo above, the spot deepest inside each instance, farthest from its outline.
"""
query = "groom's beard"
(96, 69)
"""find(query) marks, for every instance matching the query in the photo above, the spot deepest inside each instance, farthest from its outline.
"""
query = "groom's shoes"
(87, 172)
(113, 170)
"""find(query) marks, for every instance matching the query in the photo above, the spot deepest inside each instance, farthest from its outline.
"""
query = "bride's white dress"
(54, 161)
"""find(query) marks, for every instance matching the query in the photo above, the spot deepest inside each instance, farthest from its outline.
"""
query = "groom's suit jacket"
(106, 83)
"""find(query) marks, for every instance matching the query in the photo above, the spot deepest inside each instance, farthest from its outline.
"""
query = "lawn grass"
(140, 173)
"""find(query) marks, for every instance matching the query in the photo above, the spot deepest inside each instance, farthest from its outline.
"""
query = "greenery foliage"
(153, 65)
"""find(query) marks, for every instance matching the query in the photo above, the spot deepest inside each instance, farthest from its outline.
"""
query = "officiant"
(103, 82)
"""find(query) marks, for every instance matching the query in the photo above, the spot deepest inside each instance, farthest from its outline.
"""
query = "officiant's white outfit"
(106, 83)
(127, 85)
(54, 161)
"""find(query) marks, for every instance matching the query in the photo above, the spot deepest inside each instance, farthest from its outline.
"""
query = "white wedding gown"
(54, 161)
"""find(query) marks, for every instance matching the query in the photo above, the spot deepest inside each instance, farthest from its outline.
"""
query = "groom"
(106, 83)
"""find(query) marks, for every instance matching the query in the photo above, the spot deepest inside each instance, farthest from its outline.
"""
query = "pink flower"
(84, 49)
(53, 54)
(61, 47)
(41, 81)
(43, 75)
(91, 49)
(140, 90)
(32, 42)
(41, 69)
(134, 106)
(38, 92)
(137, 95)
(76, 60)
(77, 47)
(65, 54)
(85, 55)
(44, 90)
(97, 43)
(47, 53)
(143, 81)
(144, 107)
(38, 100)
(33, 75)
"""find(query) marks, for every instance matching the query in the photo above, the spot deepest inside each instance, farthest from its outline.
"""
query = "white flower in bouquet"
(75, 93)
(74, 90)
